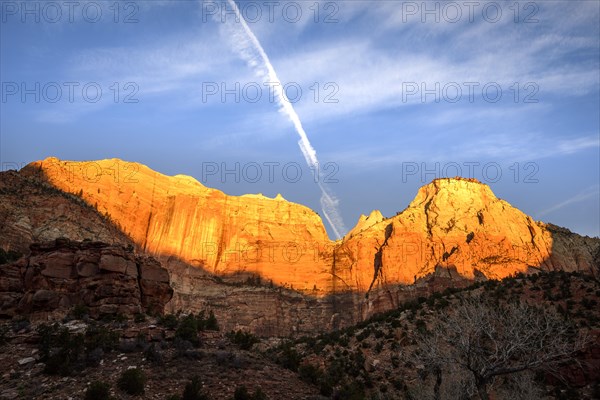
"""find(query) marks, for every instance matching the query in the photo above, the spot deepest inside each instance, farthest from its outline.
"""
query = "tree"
(491, 340)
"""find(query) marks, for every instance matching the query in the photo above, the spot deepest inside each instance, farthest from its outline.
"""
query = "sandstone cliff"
(458, 224)
(177, 217)
(34, 211)
(452, 223)
(107, 279)
(211, 243)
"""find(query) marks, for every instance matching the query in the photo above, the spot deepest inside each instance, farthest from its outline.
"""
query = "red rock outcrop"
(32, 211)
(60, 274)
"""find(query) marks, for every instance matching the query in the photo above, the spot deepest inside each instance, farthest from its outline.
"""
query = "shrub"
(309, 373)
(193, 390)
(589, 304)
(244, 340)
(101, 337)
(169, 321)
(188, 330)
(9, 256)
(241, 393)
(139, 317)
(421, 326)
(351, 391)
(259, 394)
(80, 311)
(132, 381)
(289, 357)
(98, 391)
(153, 354)
(60, 350)
(211, 323)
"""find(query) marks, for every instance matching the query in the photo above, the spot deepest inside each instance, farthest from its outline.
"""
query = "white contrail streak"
(328, 201)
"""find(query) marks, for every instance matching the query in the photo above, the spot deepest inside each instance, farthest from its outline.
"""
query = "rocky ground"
(382, 358)
(366, 361)
(170, 364)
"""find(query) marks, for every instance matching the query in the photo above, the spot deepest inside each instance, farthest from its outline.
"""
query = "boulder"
(61, 273)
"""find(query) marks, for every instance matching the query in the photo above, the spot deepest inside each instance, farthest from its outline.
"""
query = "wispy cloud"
(503, 148)
(586, 194)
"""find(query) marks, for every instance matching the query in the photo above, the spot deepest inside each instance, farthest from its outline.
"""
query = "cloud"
(497, 147)
(252, 51)
(370, 68)
(588, 193)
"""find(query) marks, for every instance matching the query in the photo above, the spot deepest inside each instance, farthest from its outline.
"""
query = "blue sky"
(393, 94)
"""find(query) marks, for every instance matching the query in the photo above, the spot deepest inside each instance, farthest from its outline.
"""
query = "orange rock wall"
(454, 223)
(179, 217)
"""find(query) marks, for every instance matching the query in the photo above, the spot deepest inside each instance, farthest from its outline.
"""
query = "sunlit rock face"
(177, 217)
(299, 281)
(456, 224)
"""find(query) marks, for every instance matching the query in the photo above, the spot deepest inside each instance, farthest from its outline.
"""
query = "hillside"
(377, 359)
(394, 355)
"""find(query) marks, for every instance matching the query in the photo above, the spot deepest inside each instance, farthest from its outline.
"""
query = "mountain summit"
(454, 228)
(451, 223)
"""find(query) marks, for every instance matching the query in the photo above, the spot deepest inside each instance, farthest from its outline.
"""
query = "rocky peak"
(365, 222)
(207, 240)
(459, 225)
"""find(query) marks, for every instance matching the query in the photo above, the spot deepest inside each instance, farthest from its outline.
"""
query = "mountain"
(267, 264)
(179, 218)
(457, 224)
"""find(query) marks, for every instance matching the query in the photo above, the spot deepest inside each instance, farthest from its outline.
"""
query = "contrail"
(329, 202)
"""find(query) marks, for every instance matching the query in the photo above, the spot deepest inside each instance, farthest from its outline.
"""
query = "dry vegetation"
(527, 337)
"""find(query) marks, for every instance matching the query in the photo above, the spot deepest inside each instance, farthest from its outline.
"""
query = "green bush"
(61, 351)
(244, 340)
(153, 354)
(100, 337)
(169, 321)
(8, 256)
(241, 393)
(188, 330)
(259, 394)
(211, 322)
(193, 390)
(98, 391)
(288, 357)
(132, 381)
(351, 391)
(310, 373)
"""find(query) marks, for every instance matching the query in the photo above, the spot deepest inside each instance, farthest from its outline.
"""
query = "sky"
(391, 94)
